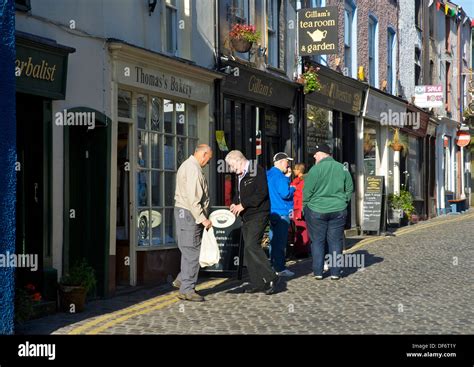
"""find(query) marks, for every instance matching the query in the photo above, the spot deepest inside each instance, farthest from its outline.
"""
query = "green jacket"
(327, 187)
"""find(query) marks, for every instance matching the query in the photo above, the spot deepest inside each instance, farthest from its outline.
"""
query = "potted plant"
(243, 36)
(397, 144)
(74, 287)
(401, 205)
(310, 79)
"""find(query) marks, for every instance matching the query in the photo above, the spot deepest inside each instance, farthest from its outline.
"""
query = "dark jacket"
(253, 195)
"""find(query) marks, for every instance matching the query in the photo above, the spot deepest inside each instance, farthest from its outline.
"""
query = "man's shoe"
(272, 287)
(176, 283)
(286, 273)
(335, 277)
(318, 277)
(191, 296)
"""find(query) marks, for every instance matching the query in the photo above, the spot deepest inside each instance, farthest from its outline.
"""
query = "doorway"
(122, 265)
(32, 186)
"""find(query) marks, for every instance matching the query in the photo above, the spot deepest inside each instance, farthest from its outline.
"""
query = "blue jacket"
(281, 194)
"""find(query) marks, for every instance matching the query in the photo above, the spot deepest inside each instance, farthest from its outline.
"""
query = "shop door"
(348, 139)
(30, 186)
(87, 198)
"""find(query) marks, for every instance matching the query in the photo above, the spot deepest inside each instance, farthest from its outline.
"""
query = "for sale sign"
(429, 96)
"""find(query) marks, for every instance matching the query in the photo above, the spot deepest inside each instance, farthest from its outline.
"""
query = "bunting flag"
(438, 5)
(446, 9)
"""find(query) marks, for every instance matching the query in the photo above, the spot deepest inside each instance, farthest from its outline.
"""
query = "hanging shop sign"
(463, 138)
(429, 96)
(318, 31)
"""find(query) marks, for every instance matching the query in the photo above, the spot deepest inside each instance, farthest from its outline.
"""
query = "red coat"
(298, 198)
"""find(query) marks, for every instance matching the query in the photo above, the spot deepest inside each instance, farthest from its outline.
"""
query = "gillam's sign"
(429, 96)
(318, 31)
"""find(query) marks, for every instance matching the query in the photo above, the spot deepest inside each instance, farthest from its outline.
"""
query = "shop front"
(41, 77)
(447, 164)
(419, 160)
(258, 116)
(162, 109)
(383, 114)
(331, 116)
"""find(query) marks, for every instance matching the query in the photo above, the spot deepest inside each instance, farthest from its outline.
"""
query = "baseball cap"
(323, 148)
(280, 156)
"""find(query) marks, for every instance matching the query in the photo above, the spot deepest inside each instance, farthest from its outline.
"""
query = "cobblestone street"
(417, 282)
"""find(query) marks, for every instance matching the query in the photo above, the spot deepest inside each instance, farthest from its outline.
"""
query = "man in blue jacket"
(281, 206)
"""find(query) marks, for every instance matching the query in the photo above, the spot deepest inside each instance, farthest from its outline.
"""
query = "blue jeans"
(322, 228)
(279, 225)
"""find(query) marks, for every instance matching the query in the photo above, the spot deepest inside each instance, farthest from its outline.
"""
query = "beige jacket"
(191, 190)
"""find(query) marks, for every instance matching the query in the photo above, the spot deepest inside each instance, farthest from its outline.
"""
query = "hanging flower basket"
(241, 45)
(309, 79)
(243, 36)
(397, 147)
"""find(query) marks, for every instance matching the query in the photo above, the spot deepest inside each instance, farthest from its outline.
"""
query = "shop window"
(167, 134)
(171, 27)
(447, 163)
(370, 149)
(124, 104)
(273, 27)
(319, 129)
(23, 5)
(413, 176)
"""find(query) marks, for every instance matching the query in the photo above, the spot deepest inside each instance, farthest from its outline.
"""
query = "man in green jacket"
(327, 191)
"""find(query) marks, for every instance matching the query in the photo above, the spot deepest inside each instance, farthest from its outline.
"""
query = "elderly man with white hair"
(252, 203)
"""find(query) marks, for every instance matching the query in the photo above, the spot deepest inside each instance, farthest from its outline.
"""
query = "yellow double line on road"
(408, 230)
(101, 323)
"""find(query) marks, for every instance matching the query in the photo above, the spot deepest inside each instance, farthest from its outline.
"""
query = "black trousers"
(258, 265)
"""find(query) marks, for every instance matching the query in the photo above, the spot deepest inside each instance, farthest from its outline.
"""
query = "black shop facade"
(257, 114)
(332, 116)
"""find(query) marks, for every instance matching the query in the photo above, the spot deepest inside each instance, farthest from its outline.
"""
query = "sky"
(467, 5)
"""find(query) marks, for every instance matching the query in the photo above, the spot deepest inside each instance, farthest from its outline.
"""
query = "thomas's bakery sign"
(318, 31)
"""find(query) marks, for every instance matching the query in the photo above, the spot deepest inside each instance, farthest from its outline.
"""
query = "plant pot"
(72, 295)
(241, 45)
(397, 147)
(394, 216)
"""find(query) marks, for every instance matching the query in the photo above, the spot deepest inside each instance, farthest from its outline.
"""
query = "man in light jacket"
(281, 206)
(191, 215)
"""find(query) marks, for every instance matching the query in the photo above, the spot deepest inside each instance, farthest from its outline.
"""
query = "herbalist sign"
(318, 31)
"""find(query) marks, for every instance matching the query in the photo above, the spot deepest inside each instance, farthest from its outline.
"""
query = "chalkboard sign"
(227, 232)
(373, 197)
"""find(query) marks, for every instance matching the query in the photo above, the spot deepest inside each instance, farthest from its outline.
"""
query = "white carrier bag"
(210, 253)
